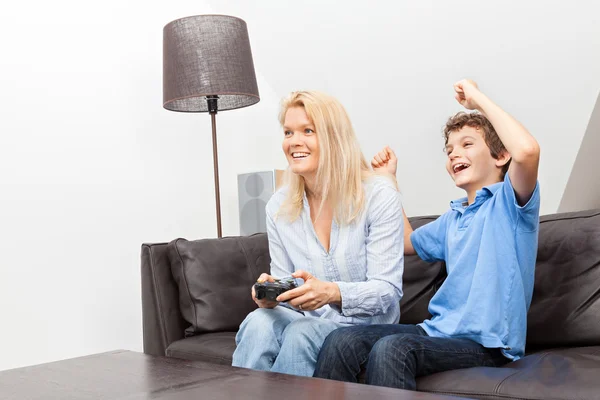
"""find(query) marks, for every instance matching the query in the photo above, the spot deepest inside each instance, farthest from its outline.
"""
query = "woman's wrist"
(335, 296)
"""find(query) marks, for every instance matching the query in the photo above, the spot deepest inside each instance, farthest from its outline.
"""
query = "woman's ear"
(502, 159)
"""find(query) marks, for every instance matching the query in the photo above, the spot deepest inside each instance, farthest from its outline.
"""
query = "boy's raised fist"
(385, 161)
(466, 90)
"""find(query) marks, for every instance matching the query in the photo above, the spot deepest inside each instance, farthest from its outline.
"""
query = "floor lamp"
(208, 67)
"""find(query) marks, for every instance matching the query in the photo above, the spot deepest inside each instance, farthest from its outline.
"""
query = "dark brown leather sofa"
(196, 293)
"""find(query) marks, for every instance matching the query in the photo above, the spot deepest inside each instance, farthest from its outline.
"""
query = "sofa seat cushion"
(571, 373)
(216, 348)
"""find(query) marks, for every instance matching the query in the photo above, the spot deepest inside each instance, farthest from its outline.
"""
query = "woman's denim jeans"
(281, 340)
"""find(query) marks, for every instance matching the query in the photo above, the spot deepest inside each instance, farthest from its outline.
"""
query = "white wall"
(91, 165)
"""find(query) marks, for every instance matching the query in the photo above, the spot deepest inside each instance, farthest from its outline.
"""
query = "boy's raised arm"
(522, 147)
(409, 250)
(386, 162)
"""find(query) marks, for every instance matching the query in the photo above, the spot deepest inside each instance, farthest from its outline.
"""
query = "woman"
(337, 226)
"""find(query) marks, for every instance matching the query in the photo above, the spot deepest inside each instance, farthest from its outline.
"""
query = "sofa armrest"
(162, 321)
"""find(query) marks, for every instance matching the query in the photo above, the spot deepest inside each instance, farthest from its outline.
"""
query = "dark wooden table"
(130, 375)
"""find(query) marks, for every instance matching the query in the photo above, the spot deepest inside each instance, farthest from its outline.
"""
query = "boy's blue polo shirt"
(490, 249)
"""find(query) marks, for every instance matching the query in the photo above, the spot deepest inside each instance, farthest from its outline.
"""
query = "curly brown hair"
(480, 122)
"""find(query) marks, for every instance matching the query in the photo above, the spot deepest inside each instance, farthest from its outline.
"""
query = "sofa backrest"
(420, 281)
(565, 309)
(214, 277)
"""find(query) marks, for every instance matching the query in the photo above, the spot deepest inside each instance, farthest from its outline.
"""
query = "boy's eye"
(287, 133)
(468, 144)
(308, 130)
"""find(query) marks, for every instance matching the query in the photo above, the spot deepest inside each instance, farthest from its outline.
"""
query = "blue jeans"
(395, 355)
(281, 340)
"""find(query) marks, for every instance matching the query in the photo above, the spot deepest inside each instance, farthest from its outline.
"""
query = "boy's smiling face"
(470, 163)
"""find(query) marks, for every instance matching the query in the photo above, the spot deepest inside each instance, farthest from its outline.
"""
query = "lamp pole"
(212, 102)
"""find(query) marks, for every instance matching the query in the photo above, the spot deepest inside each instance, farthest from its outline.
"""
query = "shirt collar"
(483, 194)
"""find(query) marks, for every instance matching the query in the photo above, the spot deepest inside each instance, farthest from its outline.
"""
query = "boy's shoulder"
(504, 202)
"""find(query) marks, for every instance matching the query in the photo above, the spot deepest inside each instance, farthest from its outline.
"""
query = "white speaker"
(254, 191)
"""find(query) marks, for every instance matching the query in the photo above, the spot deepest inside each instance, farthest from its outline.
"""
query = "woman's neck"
(312, 192)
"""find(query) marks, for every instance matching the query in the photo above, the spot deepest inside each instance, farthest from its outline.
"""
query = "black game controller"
(270, 290)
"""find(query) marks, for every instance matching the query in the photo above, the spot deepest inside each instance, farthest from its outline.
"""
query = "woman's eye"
(308, 130)
(287, 133)
(468, 144)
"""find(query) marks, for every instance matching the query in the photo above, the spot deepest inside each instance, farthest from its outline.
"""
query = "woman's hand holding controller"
(313, 294)
(264, 303)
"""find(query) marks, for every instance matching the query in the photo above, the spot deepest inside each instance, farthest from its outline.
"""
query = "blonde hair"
(342, 166)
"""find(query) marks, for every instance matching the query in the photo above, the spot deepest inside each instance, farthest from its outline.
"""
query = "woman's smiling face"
(300, 143)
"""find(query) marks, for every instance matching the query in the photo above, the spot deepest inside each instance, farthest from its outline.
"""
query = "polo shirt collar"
(483, 194)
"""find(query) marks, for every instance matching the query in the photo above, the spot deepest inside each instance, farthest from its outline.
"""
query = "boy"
(489, 243)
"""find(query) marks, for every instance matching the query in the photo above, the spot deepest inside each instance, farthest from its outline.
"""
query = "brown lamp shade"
(207, 55)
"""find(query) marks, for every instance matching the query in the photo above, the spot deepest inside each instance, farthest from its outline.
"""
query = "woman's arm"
(281, 265)
(385, 258)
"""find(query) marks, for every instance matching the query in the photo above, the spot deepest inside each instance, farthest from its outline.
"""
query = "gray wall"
(583, 188)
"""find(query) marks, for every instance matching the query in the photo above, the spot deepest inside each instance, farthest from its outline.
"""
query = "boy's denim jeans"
(395, 355)
(281, 340)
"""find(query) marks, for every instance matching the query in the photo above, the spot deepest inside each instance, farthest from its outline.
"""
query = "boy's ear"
(502, 159)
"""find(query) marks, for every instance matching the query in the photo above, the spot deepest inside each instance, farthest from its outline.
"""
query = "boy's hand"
(264, 303)
(466, 94)
(385, 161)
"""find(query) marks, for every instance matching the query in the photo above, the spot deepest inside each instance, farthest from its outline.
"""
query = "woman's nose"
(296, 140)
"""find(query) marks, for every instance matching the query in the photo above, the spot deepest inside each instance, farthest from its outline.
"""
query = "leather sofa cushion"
(565, 308)
(214, 278)
(216, 348)
(555, 374)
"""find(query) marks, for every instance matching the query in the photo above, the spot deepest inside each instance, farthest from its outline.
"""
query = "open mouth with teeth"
(299, 155)
(460, 167)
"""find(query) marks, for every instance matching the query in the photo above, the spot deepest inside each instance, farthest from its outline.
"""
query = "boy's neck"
(471, 196)
(472, 192)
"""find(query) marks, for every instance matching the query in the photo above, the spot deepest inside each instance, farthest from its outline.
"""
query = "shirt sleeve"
(526, 216)
(385, 258)
(281, 264)
(429, 241)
